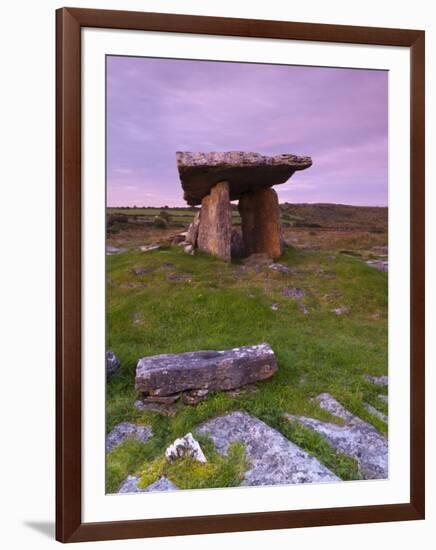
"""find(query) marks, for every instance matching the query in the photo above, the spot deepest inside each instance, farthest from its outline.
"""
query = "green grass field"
(219, 306)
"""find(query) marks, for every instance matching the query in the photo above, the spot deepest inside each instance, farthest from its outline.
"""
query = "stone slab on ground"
(214, 370)
(244, 171)
(110, 250)
(274, 459)
(380, 265)
(377, 380)
(130, 485)
(127, 430)
(355, 438)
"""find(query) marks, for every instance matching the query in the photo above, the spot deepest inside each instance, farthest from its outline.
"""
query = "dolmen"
(212, 180)
(165, 378)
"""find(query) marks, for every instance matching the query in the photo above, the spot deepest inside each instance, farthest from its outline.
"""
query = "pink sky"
(156, 107)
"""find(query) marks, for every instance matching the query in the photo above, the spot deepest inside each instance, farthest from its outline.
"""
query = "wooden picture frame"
(69, 525)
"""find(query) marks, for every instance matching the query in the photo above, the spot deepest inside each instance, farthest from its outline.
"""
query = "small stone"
(275, 307)
(149, 247)
(377, 380)
(110, 250)
(303, 309)
(189, 249)
(179, 277)
(340, 310)
(142, 270)
(281, 268)
(294, 293)
(380, 265)
(127, 430)
(185, 446)
(112, 364)
(195, 396)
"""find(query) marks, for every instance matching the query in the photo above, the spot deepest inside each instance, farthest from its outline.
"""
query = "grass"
(219, 306)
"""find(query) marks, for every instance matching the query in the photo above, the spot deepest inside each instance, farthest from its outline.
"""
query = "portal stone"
(192, 233)
(215, 228)
(260, 222)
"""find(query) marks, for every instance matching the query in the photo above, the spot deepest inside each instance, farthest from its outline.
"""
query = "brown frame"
(69, 22)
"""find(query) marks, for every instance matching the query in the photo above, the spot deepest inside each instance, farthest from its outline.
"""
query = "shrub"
(160, 222)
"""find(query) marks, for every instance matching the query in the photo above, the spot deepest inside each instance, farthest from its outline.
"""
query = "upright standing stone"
(260, 222)
(215, 229)
(192, 233)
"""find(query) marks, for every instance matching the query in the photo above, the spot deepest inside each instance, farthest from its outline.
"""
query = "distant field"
(327, 216)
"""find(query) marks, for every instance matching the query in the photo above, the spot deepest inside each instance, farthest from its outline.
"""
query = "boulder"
(214, 231)
(213, 370)
(244, 171)
(260, 222)
(112, 364)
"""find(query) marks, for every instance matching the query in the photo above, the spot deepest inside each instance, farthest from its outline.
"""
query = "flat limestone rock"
(213, 370)
(244, 171)
(274, 460)
(380, 265)
(377, 380)
(355, 438)
(130, 485)
(127, 430)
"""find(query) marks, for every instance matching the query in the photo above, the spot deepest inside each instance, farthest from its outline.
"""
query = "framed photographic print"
(240, 274)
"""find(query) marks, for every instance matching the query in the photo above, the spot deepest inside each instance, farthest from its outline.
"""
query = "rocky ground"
(322, 417)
